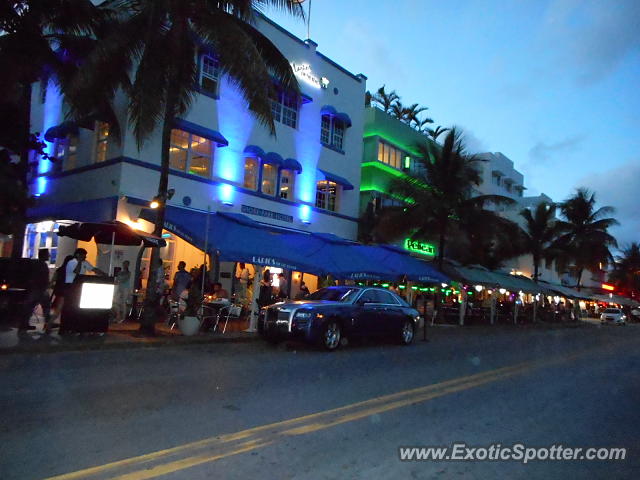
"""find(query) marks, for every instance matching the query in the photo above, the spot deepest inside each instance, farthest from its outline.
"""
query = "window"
(66, 151)
(251, 166)
(284, 107)
(102, 140)
(269, 178)
(332, 131)
(495, 179)
(209, 74)
(390, 155)
(286, 184)
(385, 298)
(326, 195)
(41, 235)
(190, 153)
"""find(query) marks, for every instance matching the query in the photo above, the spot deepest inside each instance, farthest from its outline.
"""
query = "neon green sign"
(420, 247)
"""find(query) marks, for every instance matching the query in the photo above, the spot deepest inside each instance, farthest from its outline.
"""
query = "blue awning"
(201, 131)
(61, 131)
(411, 267)
(292, 164)
(344, 118)
(273, 158)
(237, 238)
(99, 210)
(253, 151)
(346, 184)
(333, 112)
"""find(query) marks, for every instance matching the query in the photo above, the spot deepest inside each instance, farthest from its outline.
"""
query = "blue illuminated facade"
(243, 168)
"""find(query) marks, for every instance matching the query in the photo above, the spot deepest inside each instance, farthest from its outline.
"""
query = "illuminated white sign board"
(97, 295)
(303, 72)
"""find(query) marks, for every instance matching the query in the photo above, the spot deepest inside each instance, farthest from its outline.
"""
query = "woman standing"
(123, 289)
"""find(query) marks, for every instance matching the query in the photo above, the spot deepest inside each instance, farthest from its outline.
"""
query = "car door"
(367, 315)
(390, 313)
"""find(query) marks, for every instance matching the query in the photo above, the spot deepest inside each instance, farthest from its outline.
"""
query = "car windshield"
(345, 294)
(612, 310)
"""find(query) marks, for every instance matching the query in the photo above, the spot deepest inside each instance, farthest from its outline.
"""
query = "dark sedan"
(330, 314)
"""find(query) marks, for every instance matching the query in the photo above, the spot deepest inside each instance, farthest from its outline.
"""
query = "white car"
(614, 316)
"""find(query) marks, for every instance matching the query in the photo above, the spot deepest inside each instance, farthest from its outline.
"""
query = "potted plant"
(189, 322)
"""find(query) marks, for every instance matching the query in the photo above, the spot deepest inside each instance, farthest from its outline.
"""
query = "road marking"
(185, 456)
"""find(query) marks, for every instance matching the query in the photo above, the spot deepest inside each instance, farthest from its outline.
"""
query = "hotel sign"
(303, 71)
(420, 247)
(260, 212)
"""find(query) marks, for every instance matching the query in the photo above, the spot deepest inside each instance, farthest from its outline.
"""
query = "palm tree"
(413, 116)
(435, 133)
(162, 38)
(539, 234)
(41, 40)
(626, 271)
(584, 241)
(385, 100)
(438, 202)
(399, 111)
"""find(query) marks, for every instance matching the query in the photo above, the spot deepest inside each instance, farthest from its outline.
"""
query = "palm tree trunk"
(579, 278)
(20, 222)
(152, 299)
(536, 268)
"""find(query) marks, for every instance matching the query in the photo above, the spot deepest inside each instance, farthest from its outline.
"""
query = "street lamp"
(160, 199)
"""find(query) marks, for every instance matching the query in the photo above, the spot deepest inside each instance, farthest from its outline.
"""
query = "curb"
(128, 345)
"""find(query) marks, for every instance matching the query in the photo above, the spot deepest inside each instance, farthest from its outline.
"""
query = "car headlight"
(623, 317)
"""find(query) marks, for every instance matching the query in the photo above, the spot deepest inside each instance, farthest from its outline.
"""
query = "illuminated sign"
(303, 71)
(420, 247)
(606, 286)
(266, 213)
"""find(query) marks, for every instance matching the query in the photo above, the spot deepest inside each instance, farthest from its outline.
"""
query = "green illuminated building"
(389, 152)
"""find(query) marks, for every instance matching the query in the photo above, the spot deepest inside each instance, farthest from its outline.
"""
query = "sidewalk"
(119, 336)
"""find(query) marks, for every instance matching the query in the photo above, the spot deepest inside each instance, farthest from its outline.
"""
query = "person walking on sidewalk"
(39, 293)
(123, 290)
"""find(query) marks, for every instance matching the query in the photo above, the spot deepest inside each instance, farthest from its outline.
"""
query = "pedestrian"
(304, 290)
(283, 288)
(78, 265)
(181, 281)
(38, 293)
(265, 294)
(59, 287)
(123, 290)
(243, 278)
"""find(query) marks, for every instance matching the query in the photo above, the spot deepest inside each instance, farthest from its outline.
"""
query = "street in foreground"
(196, 412)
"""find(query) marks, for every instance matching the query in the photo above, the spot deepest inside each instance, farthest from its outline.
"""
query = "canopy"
(273, 158)
(238, 238)
(115, 233)
(617, 299)
(566, 291)
(346, 184)
(333, 112)
(478, 275)
(102, 209)
(292, 164)
(201, 131)
(254, 151)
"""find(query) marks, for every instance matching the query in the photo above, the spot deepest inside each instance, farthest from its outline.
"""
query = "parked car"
(613, 316)
(327, 316)
(16, 283)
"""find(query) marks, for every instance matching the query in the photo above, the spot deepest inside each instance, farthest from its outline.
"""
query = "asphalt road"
(254, 411)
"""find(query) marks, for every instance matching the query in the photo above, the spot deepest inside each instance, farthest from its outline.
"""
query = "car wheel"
(407, 332)
(331, 335)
